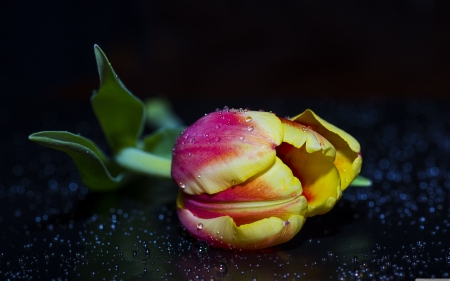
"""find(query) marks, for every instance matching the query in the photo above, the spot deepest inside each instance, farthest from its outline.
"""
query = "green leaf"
(162, 141)
(361, 181)
(120, 113)
(96, 171)
(155, 157)
(160, 114)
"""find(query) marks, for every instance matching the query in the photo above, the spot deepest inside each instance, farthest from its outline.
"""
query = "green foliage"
(122, 117)
(120, 114)
(361, 181)
(94, 167)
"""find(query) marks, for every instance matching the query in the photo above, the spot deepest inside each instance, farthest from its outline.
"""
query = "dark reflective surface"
(52, 227)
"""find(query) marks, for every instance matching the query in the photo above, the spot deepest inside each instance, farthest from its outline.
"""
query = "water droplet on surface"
(205, 136)
(218, 139)
(303, 128)
(190, 153)
(134, 253)
(200, 247)
(221, 268)
(192, 140)
(250, 128)
(248, 119)
(182, 185)
(200, 226)
(233, 182)
(199, 176)
(217, 127)
(242, 138)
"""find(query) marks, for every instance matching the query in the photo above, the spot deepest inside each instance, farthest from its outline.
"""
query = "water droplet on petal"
(250, 128)
(242, 138)
(233, 182)
(217, 126)
(182, 185)
(190, 153)
(218, 139)
(205, 136)
(192, 140)
(199, 176)
(248, 119)
(200, 226)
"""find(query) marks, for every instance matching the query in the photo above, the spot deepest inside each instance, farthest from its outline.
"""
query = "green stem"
(141, 162)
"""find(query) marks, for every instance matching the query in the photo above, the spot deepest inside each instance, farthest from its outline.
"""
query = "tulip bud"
(249, 179)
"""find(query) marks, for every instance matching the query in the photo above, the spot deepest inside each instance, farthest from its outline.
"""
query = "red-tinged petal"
(311, 158)
(273, 183)
(348, 157)
(223, 149)
(274, 192)
(246, 212)
(223, 232)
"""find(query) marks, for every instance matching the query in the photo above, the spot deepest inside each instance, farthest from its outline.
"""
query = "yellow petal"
(311, 160)
(223, 232)
(348, 159)
(272, 192)
(274, 183)
(223, 149)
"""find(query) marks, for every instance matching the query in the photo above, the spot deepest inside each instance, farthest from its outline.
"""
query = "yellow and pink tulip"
(249, 179)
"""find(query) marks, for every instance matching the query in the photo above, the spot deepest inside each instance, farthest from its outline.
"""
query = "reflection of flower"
(249, 179)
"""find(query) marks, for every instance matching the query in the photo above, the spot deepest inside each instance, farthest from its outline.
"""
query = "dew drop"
(221, 268)
(303, 128)
(199, 176)
(217, 127)
(205, 136)
(182, 185)
(242, 138)
(250, 128)
(218, 139)
(192, 140)
(200, 247)
(190, 154)
(200, 226)
(233, 182)
(248, 119)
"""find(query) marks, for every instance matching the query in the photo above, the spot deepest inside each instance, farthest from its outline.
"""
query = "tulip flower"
(249, 179)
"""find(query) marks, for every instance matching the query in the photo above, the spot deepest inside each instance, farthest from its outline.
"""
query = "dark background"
(208, 49)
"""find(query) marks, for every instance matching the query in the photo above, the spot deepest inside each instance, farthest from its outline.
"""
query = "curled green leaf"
(96, 171)
(120, 113)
